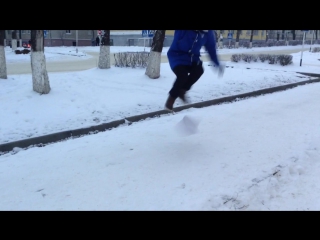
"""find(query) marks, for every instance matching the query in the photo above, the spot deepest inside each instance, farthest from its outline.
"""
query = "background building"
(134, 37)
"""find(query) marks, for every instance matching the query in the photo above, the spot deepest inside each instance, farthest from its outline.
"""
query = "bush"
(235, 57)
(263, 44)
(247, 57)
(284, 59)
(280, 43)
(246, 44)
(270, 44)
(131, 59)
(272, 59)
(263, 57)
(255, 58)
(295, 42)
(259, 44)
(316, 49)
(17, 51)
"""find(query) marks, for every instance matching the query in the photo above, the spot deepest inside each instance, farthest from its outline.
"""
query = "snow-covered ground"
(95, 96)
(260, 153)
(69, 53)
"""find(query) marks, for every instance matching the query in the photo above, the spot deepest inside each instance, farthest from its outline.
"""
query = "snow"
(69, 53)
(260, 153)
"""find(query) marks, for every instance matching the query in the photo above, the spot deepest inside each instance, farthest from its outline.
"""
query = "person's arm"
(210, 46)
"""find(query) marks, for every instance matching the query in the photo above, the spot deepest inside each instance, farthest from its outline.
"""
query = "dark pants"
(186, 77)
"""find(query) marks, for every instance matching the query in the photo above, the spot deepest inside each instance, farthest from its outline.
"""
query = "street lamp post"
(20, 39)
(304, 34)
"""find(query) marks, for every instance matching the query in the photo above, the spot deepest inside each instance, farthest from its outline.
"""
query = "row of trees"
(271, 33)
(40, 79)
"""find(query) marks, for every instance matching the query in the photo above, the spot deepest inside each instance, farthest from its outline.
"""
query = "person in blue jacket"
(184, 60)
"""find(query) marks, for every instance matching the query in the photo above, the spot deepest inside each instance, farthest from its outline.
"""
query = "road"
(84, 64)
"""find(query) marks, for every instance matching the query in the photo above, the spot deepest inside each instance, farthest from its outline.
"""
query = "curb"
(71, 134)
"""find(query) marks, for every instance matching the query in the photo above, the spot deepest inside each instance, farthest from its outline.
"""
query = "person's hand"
(221, 70)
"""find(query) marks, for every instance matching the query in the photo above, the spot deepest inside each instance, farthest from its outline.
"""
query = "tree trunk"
(62, 36)
(251, 37)
(278, 35)
(293, 34)
(20, 39)
(267, 35)
(220, 40)
(5, 38)
(14, 40)
(237, 38)
(316, 34)
(3, 66)
(154, 61)
(93, 40)
(40, 77)
(104, 56)
(217, 39)
(283, 32)
(50, 31)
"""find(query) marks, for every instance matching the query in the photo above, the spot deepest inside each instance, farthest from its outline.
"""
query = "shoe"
(169, 103)
(182, 95)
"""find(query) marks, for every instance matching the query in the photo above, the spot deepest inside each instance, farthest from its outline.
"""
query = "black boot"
(169, 103)
(182, 95)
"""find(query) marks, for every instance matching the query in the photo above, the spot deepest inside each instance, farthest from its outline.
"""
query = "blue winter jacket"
(186, 46)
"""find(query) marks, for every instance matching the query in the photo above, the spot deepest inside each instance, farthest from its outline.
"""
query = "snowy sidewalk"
(256, 154)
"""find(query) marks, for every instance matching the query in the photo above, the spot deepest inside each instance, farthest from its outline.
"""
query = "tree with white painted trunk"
(3, 65)
(62, 35)
(251, 38)
(104, 56)
(267, 35)
(154, 61)
(14, 40)
(238, 38)
(40, 77)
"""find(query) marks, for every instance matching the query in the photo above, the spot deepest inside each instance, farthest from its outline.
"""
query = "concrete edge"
(59, 136)
(65, 135)
(310, 74)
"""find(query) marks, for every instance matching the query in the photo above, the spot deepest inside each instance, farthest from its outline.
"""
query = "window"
(68, 31)
(25, 31)
(262, 32)
(90, 32)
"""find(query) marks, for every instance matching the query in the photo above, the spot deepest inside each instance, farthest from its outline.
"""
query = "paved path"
(84, 64)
